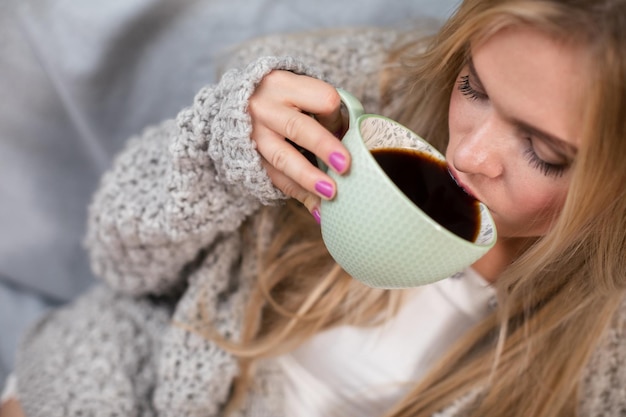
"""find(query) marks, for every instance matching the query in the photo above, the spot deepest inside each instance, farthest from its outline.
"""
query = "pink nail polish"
(324, 188)
(337, 161)
(316, 215)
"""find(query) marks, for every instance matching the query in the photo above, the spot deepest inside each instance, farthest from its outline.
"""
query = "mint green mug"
(374, 231)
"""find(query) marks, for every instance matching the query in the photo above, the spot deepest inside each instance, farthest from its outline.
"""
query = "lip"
(455, 177)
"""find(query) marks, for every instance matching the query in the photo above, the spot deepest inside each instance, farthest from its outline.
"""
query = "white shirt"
(362, 371)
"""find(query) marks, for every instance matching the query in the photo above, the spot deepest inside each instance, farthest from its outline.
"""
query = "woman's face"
(515, 120)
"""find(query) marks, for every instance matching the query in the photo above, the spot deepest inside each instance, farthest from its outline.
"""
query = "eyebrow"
(557, 143)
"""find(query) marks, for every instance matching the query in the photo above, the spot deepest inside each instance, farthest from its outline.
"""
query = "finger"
(303, 92)
(331, 117)
(318, 98)
(286, 159)
(309, 134)
(294, 190)
(308, 95)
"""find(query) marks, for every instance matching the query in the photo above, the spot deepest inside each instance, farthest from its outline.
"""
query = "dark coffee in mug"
(427, 182)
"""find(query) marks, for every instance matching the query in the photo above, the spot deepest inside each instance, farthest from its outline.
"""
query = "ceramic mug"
(373, 230)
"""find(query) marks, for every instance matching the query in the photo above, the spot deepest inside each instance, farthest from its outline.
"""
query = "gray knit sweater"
(163, 236)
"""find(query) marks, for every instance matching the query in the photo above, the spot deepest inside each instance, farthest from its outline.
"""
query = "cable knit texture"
(163, 236)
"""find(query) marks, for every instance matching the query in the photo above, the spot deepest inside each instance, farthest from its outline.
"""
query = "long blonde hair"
(555, 301)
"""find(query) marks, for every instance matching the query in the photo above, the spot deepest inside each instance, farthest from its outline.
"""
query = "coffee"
(427, 182)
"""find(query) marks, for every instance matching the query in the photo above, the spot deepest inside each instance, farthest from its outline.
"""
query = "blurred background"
(77, 78)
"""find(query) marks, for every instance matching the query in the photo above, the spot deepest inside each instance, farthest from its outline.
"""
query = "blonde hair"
(555, 301)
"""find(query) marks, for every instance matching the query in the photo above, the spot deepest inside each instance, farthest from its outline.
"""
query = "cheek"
(542, 205)
(463, 117)
(532, 208)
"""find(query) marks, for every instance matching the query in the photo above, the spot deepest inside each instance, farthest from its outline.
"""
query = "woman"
(220, 302)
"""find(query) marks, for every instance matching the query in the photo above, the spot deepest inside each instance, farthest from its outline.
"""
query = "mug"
(373, 230)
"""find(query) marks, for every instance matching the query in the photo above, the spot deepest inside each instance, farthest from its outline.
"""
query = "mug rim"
(485, 214)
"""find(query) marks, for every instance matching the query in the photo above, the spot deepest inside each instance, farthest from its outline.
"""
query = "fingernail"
(324, 188)
(316, 215)
(337, 161)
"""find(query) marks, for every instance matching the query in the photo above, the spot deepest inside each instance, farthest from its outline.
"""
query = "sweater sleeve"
(181, 184)
(350, 57)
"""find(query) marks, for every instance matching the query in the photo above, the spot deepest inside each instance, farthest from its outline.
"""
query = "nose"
(480, 150)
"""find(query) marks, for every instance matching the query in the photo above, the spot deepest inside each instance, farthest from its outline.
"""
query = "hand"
(281, 107)
(11, 408)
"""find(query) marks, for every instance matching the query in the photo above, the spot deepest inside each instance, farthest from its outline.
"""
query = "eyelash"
(546, 168)
(466, 89)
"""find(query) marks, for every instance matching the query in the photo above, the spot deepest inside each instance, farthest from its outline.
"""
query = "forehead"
(530, 76)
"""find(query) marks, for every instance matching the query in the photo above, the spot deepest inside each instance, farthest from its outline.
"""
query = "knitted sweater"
(163, 236)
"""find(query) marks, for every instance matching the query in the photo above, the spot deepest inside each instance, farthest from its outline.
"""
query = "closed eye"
(465, 87)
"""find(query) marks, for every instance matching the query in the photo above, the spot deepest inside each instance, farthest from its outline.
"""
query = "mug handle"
(355, 110)
(354, 106)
